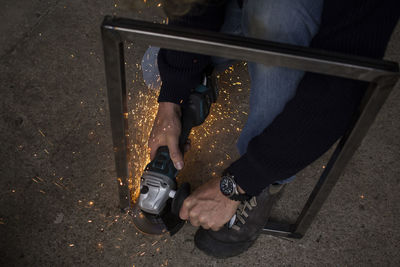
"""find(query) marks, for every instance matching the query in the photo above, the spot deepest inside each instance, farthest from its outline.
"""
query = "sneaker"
(231, 240)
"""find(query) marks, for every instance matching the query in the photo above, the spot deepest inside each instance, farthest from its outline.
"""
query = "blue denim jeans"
(285, 21)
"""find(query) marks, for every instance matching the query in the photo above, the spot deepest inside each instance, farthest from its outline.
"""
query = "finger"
(153, 152)
(204, 222)
(194, 218)
(153, 146)
(186, 147)
(205, 226)
(174, 152)
(194, 222)
(215, 228)
(184, 212)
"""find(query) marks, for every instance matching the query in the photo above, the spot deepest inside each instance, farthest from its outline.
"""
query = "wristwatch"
(229, 189)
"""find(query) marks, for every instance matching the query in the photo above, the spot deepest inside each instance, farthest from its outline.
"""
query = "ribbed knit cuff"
(180, 73)
(248, 175)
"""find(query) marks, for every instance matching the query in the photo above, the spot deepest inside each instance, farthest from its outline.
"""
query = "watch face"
(226, 186)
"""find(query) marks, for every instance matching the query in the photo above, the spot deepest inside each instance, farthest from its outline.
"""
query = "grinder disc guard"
(156, 224)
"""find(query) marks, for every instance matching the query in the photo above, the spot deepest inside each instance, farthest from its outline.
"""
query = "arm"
(180, 72)
(323, 106)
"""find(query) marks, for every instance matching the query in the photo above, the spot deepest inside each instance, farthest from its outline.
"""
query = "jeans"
(285, 21)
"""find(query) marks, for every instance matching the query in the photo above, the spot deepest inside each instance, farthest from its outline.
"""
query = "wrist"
(240, 190)
(231, 190)
(169, 107)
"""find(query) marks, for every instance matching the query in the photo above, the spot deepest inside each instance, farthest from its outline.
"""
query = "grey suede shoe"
(251, 217)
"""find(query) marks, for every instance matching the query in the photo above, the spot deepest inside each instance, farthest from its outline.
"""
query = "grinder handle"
(162, 163)
(181, 194)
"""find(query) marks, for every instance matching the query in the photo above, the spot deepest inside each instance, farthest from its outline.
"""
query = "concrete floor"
(59, 200)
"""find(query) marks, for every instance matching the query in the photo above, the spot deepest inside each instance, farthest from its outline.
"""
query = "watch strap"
(240, 197)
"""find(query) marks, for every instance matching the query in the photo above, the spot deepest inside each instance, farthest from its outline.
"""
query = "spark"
(40, 131)
(71, 245)
(91, 203)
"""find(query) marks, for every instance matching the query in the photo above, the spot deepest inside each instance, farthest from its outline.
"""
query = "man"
(292, 119)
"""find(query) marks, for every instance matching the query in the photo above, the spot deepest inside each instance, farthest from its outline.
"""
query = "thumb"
(175, 152)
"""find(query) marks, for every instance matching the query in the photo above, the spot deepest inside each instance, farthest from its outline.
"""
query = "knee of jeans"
(285, 21)
(151, 75)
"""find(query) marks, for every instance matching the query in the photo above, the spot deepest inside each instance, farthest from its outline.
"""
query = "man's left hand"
(208, 207)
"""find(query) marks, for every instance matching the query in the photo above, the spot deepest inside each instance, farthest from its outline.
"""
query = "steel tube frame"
(382, 75)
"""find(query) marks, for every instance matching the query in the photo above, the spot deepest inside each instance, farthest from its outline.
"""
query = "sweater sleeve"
(181, 72)
(323, 106)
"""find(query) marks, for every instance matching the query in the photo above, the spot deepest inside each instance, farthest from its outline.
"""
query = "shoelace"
(241, 213)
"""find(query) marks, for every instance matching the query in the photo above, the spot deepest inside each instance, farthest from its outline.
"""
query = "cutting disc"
(148, 223)
(166, 222)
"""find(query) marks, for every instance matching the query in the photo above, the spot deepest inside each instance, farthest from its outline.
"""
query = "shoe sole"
(221, 250)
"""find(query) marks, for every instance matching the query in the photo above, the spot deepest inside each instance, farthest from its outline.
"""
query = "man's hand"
(208, 207)
(166, 131)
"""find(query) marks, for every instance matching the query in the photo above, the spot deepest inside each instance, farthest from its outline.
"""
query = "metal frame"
(382, 75)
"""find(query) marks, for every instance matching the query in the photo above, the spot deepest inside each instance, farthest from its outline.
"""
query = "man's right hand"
(166, 131)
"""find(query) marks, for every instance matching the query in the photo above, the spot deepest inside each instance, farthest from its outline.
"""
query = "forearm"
(311, 123)
(323, 106)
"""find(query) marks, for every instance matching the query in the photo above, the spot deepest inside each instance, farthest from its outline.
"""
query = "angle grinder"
(157, 209)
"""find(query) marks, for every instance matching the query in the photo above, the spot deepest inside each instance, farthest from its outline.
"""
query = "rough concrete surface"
(59, 199)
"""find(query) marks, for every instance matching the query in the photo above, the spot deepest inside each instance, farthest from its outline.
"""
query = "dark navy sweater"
(323, 106)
